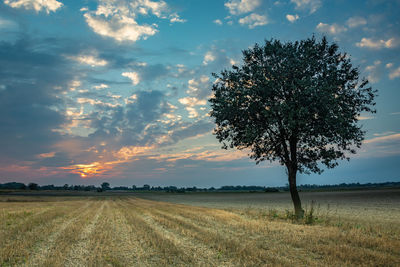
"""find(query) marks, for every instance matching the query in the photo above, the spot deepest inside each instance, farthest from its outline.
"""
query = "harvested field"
(114, 230)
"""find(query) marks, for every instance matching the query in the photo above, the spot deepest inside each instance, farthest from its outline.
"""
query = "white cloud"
(192, 112)
(389, 65)
(37, 5)
(140, 64)
(394, 73)
(175, 18)
(331, 29)
(377, 44)
(253, 20)
(218, 22)
(292, 18)
(134, 76)
(131, 99)
(374, 72)
(196, 86)
(237, 7)
(354, 22)
(208, 57)
(118, 19)
(89, 59)
(101, 86)
(311, 5)
(74, 84)
(121, 29)
(190, 103)
(93, 102)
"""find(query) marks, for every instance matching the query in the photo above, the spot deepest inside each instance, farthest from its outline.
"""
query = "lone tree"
(295, 102)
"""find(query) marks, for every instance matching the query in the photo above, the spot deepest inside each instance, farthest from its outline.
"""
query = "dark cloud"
(152, 72)
(59, 159)
(193, 129)
(125, 125)
(30, 102)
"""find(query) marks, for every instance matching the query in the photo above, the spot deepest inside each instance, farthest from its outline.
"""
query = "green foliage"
(296, 102)
(33, 186)
(105, 186)
(309, 215)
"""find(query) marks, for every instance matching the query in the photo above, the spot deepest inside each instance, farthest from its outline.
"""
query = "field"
(201, 229)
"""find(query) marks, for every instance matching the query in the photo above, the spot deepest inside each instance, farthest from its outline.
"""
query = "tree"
(105, 186)
(33, 186)
(296, 102)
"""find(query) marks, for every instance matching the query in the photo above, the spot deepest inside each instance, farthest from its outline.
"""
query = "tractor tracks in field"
(200, 253)
(131, 251)
(79, 252)
(45, 247)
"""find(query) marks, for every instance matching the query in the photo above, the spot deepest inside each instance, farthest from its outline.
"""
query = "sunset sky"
(94, 91)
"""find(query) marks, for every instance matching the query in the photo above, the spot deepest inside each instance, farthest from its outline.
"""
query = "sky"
(116, 91)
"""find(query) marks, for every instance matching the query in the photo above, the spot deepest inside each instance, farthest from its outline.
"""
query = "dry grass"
(128, 231)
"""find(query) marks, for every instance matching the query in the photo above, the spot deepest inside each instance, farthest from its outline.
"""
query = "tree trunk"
(299, 212)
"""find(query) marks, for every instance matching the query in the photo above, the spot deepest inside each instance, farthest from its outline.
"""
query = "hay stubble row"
(128, 231)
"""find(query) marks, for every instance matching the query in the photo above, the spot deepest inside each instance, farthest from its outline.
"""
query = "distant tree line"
(173, 189)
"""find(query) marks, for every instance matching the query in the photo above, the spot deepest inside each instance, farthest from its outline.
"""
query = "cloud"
(199, 88)
(134, 76)
(381, 145)
(128, 152)
(389, 65)
(386, 138)
(4, 23)
(354, 22)
(237, 7)
(194, 129)
(253, 20)
(384, 133)
(292, 18)
(198, 91)
(120, 29)
(208, 57)
(100, 86)
(362, 118)
(312, 5)
(199, 154)
(394, 73)
(190, 103)
(141, 71)
(218, 22)
(30, 104)
(374, 72)
(91, 59)
(37, 5)
(118, 19)
(377, 44)
(134, 124)
(331, 29)
(175, 18)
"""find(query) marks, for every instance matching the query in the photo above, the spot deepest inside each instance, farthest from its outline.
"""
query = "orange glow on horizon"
(88, 170)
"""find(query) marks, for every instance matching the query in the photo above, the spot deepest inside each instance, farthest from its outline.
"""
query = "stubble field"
(214, 230)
